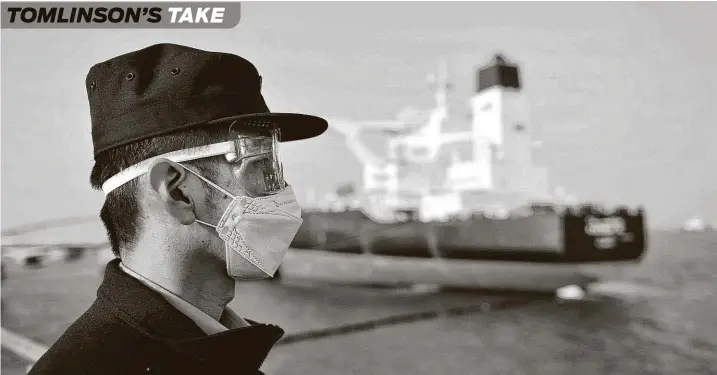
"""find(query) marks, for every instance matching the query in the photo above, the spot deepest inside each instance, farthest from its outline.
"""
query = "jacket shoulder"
(98, 342)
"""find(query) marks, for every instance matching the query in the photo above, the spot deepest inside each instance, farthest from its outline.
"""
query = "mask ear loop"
(228, 194)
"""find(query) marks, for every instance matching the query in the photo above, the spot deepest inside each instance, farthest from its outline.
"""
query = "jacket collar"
(149, 313)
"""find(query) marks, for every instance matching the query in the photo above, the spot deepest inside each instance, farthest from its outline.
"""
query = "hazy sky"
(626, 93)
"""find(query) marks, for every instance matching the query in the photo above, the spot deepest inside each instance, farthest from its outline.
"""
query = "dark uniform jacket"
(131, 329)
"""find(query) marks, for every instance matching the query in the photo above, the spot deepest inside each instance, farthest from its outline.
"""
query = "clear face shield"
(255, 161)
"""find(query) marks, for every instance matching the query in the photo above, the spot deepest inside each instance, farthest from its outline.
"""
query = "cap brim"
(293, 126)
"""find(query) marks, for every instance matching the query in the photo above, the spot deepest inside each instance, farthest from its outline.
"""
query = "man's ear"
(168, 179)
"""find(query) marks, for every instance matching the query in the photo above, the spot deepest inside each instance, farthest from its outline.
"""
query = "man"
(186, 153)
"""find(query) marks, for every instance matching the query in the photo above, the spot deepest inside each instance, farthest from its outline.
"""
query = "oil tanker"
(469, 207)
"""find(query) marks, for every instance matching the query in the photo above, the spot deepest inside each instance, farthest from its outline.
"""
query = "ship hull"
(535, 252)
(573, 237)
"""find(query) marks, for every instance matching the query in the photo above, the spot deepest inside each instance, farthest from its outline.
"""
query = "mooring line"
(32, 351)
(402, 319)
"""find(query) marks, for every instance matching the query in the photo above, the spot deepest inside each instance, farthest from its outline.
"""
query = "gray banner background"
(230, 18)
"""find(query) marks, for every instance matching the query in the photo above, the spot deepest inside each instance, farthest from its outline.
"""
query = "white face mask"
(257, 232)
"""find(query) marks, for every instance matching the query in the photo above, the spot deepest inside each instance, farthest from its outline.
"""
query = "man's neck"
(201, 282)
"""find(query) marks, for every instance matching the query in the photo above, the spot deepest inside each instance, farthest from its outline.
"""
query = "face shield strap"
(179, 156)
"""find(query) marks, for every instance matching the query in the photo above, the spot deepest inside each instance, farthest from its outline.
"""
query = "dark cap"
(167, 87)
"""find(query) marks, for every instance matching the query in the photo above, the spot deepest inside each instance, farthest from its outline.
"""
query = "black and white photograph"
(374, 187)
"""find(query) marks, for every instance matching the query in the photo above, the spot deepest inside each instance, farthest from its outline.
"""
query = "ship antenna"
(441, 84)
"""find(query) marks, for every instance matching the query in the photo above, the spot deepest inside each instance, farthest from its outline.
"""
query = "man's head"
(166, 99)
(126, 208)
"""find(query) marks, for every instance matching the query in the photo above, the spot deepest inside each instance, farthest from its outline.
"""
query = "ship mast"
(442, 86)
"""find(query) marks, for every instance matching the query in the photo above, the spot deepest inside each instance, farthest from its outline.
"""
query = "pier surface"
(657, 320)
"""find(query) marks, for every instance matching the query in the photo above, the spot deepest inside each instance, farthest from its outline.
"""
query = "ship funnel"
(499, 72)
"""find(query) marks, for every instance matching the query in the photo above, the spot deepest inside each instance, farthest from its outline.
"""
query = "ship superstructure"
(422, 171)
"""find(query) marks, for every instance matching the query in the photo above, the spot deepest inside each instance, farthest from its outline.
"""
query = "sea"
(658, 318)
